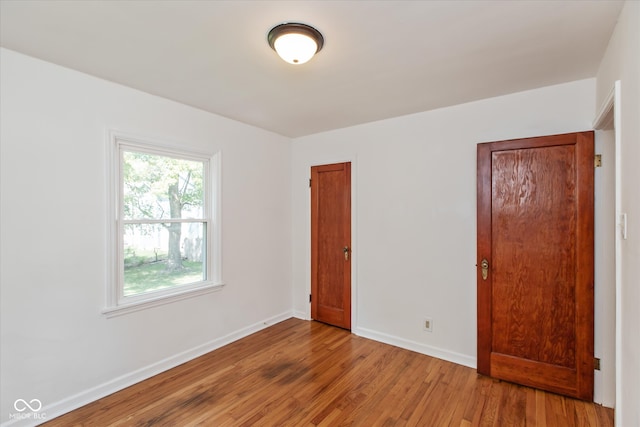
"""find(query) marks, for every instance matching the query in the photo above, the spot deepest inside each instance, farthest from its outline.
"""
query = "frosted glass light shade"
(295, 48)
(295, 43)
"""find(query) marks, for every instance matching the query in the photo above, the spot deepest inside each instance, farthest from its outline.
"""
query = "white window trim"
(116, 303)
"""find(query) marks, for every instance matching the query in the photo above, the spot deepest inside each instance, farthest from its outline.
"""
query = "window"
(164, 230)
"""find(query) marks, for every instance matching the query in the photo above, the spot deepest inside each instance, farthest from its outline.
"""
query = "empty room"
(287, 213)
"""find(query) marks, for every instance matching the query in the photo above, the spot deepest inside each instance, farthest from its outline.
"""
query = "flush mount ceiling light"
(295, 43)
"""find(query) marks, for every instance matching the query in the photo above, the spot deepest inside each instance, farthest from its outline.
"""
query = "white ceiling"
(381, 59)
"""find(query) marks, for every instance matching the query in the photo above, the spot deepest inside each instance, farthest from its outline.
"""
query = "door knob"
(346, 253)
(485, 268)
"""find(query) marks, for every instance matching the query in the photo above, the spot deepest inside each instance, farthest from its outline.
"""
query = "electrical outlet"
(427, 324)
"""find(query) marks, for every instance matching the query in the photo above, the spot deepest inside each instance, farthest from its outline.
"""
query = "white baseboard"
(70, 403)
(301, 315)
(450, 356)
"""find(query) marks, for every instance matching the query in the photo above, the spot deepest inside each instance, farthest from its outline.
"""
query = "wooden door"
(331, 244)
(535, 235)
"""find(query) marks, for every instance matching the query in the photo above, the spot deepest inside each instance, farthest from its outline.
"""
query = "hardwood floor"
(300, 373)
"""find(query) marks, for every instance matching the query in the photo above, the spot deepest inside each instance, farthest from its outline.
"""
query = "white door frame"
(610, 114)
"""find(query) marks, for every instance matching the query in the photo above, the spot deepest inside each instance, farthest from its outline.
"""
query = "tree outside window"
(163, 222)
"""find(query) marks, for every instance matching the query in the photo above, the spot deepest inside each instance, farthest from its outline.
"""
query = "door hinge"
(309, 182)
(309, 297)
(596, 363)
(598, 161)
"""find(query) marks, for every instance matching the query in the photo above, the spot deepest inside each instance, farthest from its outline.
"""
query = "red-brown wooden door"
(331, 244)
(535, 238)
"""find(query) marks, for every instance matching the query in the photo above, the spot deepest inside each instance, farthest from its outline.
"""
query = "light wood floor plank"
(300, 373)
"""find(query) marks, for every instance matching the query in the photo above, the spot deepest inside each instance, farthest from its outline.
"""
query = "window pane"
(159, 187)
(160, 256)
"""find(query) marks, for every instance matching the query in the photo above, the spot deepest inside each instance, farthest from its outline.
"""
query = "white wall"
(622, 62)
(56, 345)
(414, 248)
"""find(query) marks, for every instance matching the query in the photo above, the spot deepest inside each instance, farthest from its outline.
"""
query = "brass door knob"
(485, 268)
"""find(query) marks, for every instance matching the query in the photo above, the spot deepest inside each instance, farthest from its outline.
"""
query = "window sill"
(151, 302)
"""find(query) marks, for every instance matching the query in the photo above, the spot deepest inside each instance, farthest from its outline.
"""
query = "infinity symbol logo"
(21, 405)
